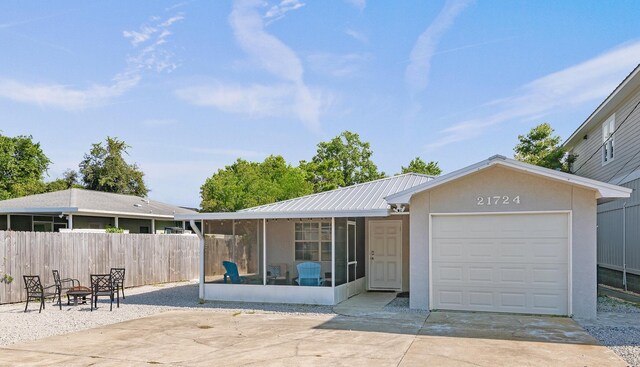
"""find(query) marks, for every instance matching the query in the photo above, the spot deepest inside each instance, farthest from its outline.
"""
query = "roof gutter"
(284, 215)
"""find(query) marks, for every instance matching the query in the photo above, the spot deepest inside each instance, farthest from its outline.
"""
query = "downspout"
(201, 270)
(624, 245)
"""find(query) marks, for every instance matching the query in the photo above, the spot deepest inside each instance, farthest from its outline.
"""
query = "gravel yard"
(16, 326)
(617, 327)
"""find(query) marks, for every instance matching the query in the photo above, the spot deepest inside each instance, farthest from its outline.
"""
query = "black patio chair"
(35, 291)
(117, 275)
(60, 283)
(102, 285)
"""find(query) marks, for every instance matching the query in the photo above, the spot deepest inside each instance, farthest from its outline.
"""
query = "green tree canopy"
(245, 184)
(542, 148)
(417, 165)
(22, 167)
(69, 180)
(104, 169)
(343, 161)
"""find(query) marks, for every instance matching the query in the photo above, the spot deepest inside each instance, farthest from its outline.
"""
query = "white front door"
(501, 262)
(385, 254)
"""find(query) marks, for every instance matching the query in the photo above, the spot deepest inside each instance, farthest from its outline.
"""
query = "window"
(608, 139)
(313, 241)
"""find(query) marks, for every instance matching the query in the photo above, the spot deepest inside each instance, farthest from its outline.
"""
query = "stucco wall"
(535, 194)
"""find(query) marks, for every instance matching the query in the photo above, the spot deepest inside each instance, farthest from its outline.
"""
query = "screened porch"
(301, 260)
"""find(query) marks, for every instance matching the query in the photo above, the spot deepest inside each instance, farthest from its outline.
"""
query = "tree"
(22, 167)
(541, 148)
(104, 169)
(343, 161)
(69, 180)
(417, 165)
(245, 184)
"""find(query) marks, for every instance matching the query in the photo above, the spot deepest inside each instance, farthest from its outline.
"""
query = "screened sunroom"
(292, 260)
(317, 249)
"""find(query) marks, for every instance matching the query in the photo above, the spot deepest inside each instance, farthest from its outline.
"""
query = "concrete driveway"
(192, 338)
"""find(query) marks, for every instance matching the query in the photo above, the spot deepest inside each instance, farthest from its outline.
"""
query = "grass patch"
(236, 314)
(205, 327)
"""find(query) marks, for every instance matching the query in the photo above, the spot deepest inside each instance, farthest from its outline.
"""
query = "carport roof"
(603, 190)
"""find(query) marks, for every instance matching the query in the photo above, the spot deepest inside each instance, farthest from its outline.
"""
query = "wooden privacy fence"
(148, 258)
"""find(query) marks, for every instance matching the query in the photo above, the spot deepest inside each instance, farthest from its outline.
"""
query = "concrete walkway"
(204, 338)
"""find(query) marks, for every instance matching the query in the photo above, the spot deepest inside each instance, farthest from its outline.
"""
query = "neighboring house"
(86, 209)
(607, 146)
(500, 235)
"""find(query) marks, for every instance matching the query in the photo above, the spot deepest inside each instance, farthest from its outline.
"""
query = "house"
(499, 235)
(76, 209)
(607, 146)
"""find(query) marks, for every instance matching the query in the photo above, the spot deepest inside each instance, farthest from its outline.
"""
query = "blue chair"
(309, 274)
(232, 272)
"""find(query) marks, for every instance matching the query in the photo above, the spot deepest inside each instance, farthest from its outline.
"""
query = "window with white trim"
(608, 152)
(313, 241)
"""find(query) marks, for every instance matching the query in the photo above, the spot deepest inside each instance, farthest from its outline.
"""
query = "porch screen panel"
(341, 251)
(246, 251)
(3, 222)
(218, 246)
(360, 250)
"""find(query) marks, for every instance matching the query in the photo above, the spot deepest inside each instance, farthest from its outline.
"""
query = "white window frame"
(608, 140)
(319, 241)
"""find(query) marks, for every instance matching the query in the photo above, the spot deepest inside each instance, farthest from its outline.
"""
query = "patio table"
(77, 292)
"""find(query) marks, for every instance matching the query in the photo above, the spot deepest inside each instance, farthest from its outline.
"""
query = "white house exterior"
(500, 236)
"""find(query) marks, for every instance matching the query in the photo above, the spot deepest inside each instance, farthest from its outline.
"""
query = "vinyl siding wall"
(625, 144)
(611, 232)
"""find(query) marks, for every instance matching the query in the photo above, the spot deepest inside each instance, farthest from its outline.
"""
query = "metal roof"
(603, 190)
(93, 202)
(365, 199)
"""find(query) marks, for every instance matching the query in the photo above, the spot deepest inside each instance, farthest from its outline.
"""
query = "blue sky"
(193, 85)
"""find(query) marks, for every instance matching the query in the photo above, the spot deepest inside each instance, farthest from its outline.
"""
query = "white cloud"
(337, 65)
(65, 97)
(417, 72)
(290, 98)
(358, 4)
(151, 56)
(278, 11)
(257, 101)
(589, 81)
(358, 36)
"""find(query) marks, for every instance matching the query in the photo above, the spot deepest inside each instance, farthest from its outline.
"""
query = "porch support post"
(264, 252)
(201, 267)
(153, 226)
(8, 221)
(115, 221)
(70, 221)
(333, 252)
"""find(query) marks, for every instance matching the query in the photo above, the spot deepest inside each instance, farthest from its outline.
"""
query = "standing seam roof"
(365, 196)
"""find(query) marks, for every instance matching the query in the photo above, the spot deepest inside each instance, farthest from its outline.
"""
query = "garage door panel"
(503, 263)
(552, 276)
(538, 301)
(523, 226)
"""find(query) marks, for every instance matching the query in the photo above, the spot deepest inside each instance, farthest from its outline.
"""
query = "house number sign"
(497, 200)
